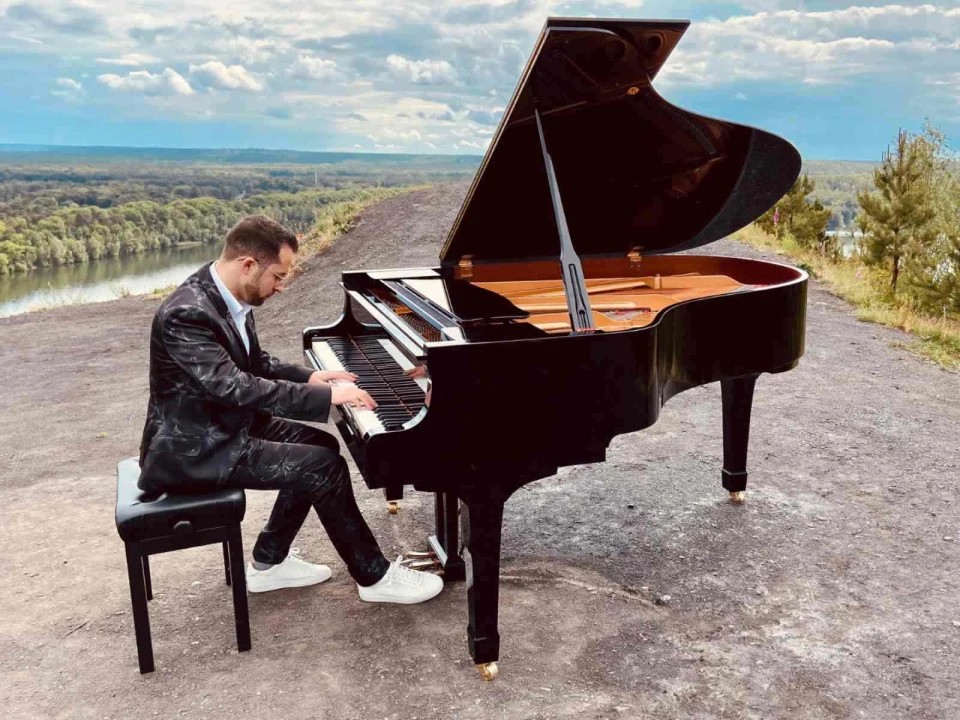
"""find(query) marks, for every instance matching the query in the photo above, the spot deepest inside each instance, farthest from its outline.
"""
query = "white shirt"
(238, 310)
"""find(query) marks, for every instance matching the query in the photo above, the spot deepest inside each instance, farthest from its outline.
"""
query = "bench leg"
(138, 598)
(147, 584)
(241, 614)
(226, 561)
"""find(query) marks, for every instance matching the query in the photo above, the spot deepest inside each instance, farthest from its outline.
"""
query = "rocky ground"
(832, 593)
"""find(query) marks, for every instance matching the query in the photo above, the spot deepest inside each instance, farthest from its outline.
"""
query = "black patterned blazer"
(205, 391)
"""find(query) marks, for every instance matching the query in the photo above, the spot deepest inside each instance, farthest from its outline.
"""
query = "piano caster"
(489, 671)
(393, 508)
(739, 497)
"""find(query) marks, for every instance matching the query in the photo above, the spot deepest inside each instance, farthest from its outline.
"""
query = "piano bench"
(150, 524)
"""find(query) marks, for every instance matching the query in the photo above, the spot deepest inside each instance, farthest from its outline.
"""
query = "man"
(214, 420)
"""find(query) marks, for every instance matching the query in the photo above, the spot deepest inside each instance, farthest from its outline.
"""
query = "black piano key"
(398, 396)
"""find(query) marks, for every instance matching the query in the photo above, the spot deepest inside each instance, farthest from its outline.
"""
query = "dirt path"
(832, 594)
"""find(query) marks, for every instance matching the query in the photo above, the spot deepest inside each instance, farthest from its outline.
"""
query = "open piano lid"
(633, 171)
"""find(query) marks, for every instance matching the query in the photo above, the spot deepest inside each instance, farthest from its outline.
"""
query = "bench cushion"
(144, 516)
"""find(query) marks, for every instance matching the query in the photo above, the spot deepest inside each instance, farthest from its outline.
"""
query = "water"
(101, 280)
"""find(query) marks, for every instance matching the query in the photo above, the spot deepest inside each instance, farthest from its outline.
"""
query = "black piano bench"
(151, 524)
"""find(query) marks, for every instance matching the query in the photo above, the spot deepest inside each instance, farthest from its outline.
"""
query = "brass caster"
(393, 508)
(488, 671)
(739, 497)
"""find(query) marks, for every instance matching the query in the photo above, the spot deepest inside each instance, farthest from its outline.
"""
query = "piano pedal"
(489, 671)
(425, 561)
(419, 554)
(739, 497)
(393, 507)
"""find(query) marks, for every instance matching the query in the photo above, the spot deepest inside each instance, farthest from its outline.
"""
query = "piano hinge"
(465, 267)
(635, 256)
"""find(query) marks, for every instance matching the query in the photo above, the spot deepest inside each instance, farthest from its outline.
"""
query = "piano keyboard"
(379, 367)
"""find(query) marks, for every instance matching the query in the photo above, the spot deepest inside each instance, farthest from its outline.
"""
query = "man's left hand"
(322, 377)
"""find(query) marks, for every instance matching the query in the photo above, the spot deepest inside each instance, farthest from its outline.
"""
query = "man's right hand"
(353, 396)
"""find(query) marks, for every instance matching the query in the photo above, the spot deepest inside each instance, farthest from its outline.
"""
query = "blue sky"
(836, 79)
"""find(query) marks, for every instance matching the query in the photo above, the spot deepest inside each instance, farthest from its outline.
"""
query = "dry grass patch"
(866, 290)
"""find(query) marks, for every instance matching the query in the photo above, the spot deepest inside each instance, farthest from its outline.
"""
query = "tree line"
(906, 232)
(72, 233)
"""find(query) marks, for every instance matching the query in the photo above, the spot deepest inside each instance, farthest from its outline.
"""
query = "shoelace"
(294, 555)
(405, 575)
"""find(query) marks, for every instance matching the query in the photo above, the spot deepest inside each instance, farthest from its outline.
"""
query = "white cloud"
(167, 82)
(68, 89)
(234, 77)
(308, 66)
(815, 48)
(437, 75)
(130, 59)
(421, 72)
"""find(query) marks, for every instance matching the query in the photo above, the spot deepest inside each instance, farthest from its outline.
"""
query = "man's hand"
(352, 396)
(420, 371)
(321, 377)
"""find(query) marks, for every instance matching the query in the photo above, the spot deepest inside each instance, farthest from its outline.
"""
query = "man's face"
(261, 280)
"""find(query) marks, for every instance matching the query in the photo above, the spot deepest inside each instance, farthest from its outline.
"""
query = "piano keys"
(591, 168)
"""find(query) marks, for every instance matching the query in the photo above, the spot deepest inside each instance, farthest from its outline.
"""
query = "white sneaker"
(292, 572)
(402, 585)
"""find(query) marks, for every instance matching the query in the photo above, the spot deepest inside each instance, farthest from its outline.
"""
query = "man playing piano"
(220, 416)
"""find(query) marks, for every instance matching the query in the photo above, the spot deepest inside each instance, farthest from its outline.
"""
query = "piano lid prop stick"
(578, 300)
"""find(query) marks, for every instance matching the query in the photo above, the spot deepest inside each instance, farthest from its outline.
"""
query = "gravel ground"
(629, 589)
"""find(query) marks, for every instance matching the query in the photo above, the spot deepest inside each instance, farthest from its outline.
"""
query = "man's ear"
(247, 263)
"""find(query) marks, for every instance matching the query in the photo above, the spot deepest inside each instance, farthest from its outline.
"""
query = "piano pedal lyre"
(739, 497)
(393, 507)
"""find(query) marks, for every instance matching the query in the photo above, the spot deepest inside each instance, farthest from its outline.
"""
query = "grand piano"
(559, 315)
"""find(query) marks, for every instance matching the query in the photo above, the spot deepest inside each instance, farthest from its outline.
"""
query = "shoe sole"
(306, 582)
(405, 601)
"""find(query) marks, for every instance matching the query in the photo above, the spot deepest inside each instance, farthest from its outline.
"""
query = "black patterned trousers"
(305, 465)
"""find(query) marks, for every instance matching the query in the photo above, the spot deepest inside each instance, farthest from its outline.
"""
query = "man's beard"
(253, 293)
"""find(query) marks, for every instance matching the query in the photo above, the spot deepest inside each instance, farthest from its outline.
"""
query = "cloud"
(421, 72)
(816, 48)
(216, 74)
(314, 68)
(66, 19)
(68, 89)
(423, 76)
(281, 113)
(130, 59)
(166, 83)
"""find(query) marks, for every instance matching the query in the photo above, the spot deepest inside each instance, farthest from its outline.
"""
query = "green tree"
(805, 221)
(899, 216)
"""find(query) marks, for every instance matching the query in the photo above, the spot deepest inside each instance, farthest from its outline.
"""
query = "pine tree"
(934, 276)
(805, 221)
(899, 216)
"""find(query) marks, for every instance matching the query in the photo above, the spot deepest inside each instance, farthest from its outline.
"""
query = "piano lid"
(633, 170)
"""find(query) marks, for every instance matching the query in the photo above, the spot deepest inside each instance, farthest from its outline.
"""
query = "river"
(101, 280)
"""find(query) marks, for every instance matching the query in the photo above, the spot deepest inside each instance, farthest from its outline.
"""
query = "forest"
(59, 206)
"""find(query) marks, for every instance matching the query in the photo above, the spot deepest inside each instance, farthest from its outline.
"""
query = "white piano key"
(366, 420)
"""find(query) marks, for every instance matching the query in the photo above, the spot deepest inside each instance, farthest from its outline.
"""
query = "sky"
(415, 76)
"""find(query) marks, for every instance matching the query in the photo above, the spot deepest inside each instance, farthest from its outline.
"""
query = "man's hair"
(259, 237)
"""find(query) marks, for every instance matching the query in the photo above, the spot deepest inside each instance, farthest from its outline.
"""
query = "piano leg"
(482, 550)
(446, 543)
(737, 394)
(393, 494)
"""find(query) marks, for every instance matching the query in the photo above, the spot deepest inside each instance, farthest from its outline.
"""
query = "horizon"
(836, 79)
(44, 147)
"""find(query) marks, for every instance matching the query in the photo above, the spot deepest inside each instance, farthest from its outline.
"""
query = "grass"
(865, 289)
(335, 219)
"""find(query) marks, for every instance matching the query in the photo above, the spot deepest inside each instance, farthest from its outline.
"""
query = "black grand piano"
(557, 288)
